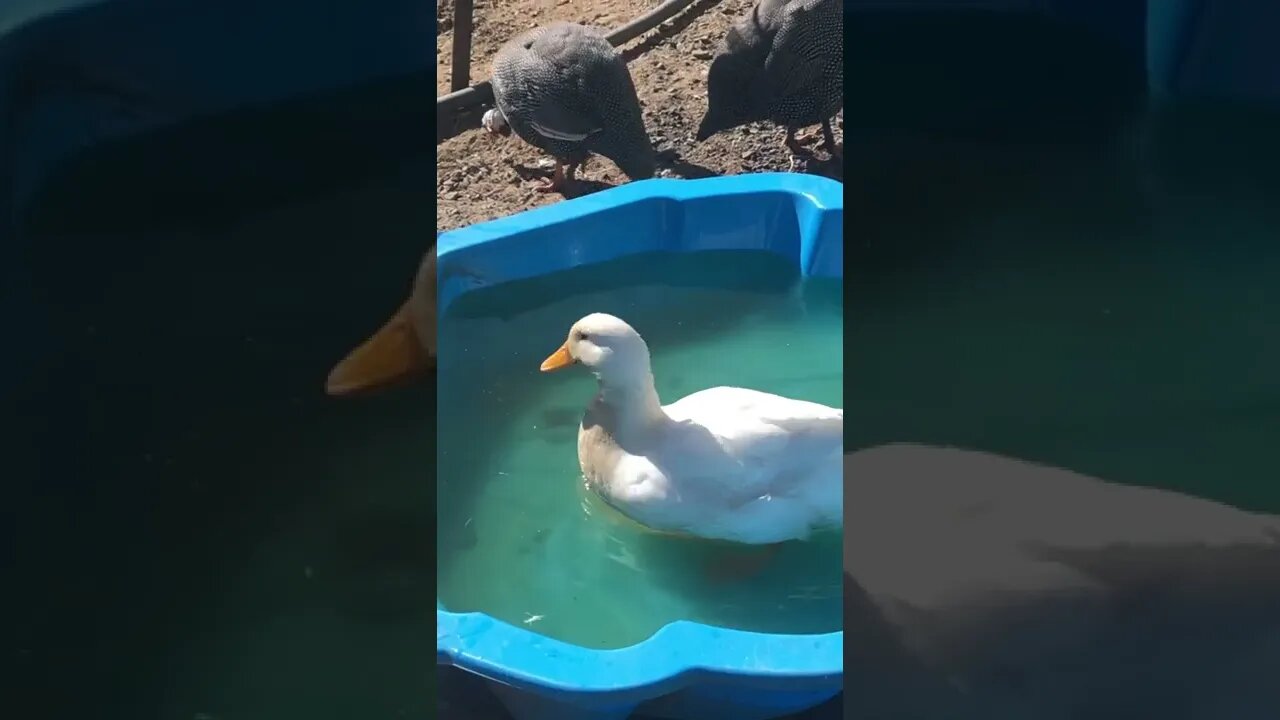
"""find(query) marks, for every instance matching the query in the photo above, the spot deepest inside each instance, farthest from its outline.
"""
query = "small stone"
(702, 54)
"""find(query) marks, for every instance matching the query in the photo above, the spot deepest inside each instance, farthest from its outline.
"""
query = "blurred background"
(207, 203)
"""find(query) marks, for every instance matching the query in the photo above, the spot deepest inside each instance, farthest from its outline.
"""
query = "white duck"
(724, 463)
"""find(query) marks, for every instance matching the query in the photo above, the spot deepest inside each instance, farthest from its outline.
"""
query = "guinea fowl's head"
(495, 122)
(640, 162)
(728, 85)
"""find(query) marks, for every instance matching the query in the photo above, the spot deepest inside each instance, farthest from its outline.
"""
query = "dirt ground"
(481, 176)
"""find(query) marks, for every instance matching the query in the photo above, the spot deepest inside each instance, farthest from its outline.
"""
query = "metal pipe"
(647, 21)
(482, 93)
(462, 24)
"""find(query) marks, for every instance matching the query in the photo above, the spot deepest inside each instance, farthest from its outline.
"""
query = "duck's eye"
(584, 336)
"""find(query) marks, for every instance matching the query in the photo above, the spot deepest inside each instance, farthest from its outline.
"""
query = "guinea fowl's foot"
(833, 148)
(792, 144)
(800, 155)
(563, 180)
(556, 183)
(739, 565)
(807, 138)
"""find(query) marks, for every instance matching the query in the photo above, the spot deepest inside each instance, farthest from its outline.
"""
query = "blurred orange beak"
(393, 355)
(559, 359)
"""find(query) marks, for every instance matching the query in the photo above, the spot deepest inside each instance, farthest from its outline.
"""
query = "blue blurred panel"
(79, 75)
(1223, 49)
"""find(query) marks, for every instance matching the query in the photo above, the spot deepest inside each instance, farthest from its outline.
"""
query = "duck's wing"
(763, 444)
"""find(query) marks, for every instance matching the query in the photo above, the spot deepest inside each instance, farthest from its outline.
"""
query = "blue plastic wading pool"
(685, 670)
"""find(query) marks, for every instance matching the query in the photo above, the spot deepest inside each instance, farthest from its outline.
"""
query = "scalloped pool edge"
(587, 683)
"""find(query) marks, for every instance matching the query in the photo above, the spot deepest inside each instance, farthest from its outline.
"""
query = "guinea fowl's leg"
(799, 155)
(829, 142)
(556, 183)
(792, 143)
(740, 566)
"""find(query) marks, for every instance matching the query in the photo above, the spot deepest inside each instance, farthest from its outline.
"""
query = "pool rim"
(501, 651)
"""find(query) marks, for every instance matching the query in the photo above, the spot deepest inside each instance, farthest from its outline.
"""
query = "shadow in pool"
(561, 418)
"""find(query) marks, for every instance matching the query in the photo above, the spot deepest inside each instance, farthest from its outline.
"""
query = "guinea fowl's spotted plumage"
(784, 63)
(564, 89)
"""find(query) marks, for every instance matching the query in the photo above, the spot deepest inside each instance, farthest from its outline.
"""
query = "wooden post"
(461, 46)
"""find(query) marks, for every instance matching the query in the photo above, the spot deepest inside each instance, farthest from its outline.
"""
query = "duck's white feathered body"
(728, 464)
(725, 463)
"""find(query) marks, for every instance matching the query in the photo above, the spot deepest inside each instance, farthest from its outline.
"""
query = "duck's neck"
(632, 402)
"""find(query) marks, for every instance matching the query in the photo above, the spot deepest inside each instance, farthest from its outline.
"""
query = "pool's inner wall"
(174, 100)
(545, 240)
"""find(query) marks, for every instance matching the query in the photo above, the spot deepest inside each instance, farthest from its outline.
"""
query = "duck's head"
(606, 345)
(404, 348)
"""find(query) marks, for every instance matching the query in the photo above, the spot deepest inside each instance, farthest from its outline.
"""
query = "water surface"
(519, 537)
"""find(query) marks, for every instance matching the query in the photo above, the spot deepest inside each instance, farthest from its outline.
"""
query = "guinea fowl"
(783, 63)
(564, 89)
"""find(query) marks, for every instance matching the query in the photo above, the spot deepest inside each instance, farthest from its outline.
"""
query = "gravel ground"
(481, 177)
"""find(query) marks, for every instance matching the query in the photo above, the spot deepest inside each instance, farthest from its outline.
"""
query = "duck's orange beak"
(558, 359)
(394, 354)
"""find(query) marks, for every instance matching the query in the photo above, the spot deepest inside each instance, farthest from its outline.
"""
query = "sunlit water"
(519, 536)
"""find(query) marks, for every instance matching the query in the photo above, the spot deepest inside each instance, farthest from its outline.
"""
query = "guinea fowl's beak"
(394, 354)
(558, 359)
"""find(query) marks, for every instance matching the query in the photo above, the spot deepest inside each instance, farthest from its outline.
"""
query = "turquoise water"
(518, 536)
